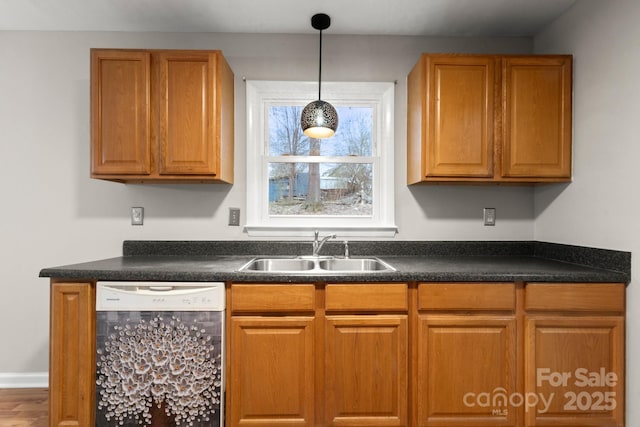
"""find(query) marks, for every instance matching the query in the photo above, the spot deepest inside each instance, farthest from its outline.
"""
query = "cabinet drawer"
(272, 298)
(366, 297)
(466, 296)
(604, 297)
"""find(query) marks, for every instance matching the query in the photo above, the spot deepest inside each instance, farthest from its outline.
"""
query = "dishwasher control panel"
(167, 296)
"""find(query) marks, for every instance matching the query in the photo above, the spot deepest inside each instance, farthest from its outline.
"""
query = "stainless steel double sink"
(316, 265)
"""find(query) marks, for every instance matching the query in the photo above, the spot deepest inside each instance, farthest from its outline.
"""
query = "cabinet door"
(187, 130)
(577, 365)
(271, 377)
(366, 370)
(466, 369)
(72, 355)
(120, 112)
(536, 138)
(460, 97)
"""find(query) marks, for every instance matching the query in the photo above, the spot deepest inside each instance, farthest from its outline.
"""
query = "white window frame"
(262, 94)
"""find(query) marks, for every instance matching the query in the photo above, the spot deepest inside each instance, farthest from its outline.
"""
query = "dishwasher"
(160, 354)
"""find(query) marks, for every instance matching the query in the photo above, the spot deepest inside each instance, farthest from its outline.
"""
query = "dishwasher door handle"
(157, 288)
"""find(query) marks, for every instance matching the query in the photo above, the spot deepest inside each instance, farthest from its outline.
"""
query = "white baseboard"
(24, 380)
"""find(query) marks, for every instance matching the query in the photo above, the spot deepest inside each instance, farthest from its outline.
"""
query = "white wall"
(600, 208)
(53, 214)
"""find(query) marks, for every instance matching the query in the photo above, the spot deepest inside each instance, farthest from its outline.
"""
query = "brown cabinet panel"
(536, 139)
(272, 298)
(460, 121)
(567, 297)
(72, 355)
(379, 297)
(161, 115)
(366, 370)
(417, 123)
(489, 118)
(467, 296)
(460, 361)
(577, 365)
(271, 377)
(120, 112)
(186, 111)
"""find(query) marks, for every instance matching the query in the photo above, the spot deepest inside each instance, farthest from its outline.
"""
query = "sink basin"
(354, 265)
(279, 265)
(322, 265)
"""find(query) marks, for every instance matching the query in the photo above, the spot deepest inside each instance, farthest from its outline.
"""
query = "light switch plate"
(234, 216)
(489, 215)
(137, 216)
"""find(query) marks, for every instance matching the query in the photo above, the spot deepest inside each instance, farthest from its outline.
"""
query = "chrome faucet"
(317, 244)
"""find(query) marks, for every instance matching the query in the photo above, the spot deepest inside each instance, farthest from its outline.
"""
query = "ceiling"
(382, 17)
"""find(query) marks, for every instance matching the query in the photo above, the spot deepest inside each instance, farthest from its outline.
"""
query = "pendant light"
(319, 118)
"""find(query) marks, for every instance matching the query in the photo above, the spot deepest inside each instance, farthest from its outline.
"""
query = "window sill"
(304, 231)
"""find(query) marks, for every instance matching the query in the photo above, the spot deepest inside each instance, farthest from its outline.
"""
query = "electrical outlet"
(489, 215)
(137, 216)
(234, 216)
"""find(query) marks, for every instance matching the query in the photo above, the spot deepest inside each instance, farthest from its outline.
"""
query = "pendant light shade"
(319, 118)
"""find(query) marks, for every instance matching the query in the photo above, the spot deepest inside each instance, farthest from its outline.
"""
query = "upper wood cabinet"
(488, 118)
(161, 116)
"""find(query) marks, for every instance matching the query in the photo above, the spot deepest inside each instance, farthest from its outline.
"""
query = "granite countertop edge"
(426, 261)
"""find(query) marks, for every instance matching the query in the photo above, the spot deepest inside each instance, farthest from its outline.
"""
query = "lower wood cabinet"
(575, 368)
(574, 354)
(337, 360)
(461, 361)
(272, 371)
(272, 355)
(428, 355)
(366, 342)
(525, 354)
(466, 352)
(71, 355)
(366, 370)
(390, 354)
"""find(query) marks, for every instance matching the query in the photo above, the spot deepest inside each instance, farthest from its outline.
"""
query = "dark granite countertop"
(413, 261)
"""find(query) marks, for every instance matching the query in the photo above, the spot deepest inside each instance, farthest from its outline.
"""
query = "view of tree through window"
(309, 176)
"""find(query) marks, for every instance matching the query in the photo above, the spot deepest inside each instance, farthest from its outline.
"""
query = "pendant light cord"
(320, 68)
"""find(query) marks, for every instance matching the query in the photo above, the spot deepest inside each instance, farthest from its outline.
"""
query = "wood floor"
(24, 407)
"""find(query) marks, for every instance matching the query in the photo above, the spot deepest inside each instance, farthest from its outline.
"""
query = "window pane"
(337, 189)
(285, 134)
(353, 137)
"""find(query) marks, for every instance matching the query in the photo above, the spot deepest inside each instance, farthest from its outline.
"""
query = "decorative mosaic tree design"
(161, 363)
